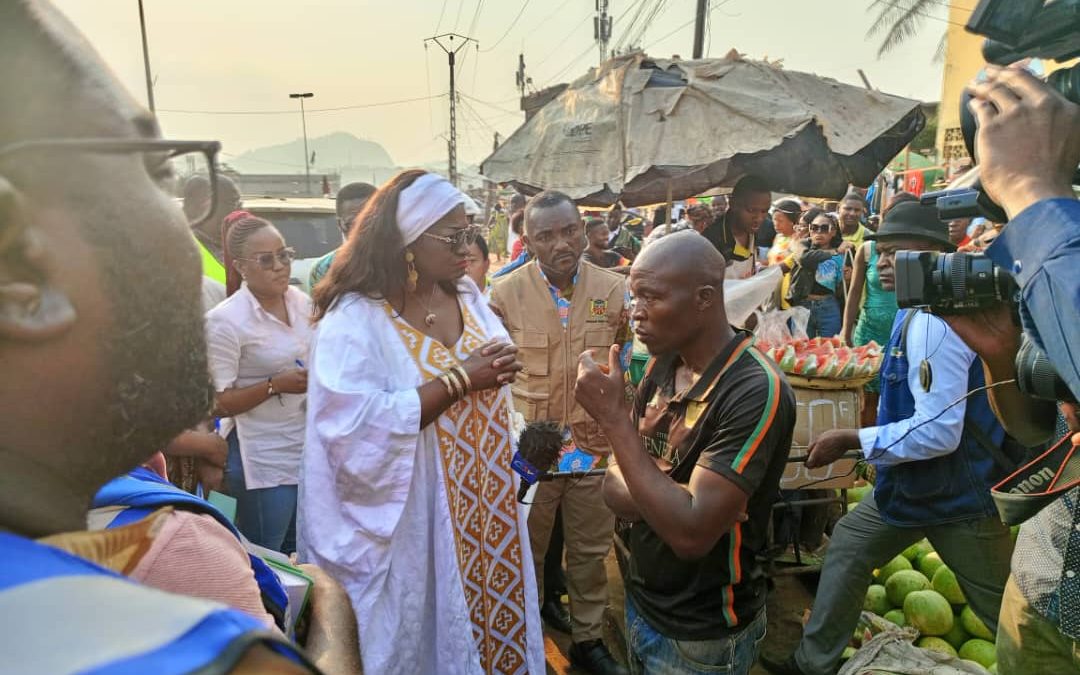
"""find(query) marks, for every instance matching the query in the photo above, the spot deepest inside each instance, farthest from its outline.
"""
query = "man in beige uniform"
(555, 307)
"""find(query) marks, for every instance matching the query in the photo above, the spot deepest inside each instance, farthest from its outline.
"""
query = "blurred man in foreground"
(100, 309)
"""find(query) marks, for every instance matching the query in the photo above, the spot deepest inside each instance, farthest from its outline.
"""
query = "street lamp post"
(146, 60)
(303, 123)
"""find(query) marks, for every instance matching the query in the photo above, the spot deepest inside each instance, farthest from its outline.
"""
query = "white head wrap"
(422, 204)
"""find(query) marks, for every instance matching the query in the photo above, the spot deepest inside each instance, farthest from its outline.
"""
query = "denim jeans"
(826, 317)
(656, 654)
(266, 516)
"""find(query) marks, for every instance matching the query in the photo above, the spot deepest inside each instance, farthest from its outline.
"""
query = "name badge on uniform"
(598, 310)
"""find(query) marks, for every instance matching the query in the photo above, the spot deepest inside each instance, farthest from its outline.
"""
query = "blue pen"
(299, 363)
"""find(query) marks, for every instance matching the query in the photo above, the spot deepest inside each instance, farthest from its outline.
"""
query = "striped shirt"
(737, 420)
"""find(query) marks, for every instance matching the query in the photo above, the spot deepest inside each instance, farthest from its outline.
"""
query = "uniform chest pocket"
(599, 337)
(895, 373)
(533, 350)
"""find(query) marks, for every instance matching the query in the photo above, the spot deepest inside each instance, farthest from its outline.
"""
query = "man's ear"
(32, 307)
(706, 297)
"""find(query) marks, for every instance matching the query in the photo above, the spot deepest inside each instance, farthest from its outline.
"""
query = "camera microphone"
(538, 448)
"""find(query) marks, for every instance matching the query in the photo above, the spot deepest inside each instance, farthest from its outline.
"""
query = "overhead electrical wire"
(510, 27)
(309, 111)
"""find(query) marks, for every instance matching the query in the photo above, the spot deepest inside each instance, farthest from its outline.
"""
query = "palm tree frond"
(939, 53)
(900, 20)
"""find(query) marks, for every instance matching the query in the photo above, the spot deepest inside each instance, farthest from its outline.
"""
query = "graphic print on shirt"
(473, 435)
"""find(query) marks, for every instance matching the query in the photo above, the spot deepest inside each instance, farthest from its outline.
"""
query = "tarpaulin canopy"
(636, 127)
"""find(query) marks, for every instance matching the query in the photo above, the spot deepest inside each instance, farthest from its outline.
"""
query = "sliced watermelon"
(829, 366)
(787, 359)
(806, 365)
(848, 369)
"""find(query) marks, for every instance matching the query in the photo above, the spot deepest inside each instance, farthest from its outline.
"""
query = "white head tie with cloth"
(422, 204)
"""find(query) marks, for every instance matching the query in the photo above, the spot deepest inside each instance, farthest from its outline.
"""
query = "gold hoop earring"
(412, 273)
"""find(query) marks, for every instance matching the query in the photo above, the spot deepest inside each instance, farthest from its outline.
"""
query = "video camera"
(954, 283)
(1015, 29)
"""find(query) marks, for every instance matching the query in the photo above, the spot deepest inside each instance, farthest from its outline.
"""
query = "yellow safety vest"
(210, 266)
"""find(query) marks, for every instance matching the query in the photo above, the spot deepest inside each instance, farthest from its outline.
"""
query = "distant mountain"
(339, 152)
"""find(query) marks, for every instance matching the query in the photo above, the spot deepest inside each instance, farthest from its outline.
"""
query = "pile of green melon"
(917, 589)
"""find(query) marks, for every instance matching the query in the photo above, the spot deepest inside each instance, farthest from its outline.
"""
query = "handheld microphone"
(538, 448)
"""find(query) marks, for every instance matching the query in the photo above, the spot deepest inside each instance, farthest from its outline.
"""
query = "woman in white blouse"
(258, 344)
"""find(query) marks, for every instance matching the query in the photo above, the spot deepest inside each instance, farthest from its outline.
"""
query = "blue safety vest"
(64, 614)
(142, 492)
(948, 488)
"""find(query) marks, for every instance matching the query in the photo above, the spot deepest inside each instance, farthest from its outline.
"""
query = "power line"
(442, 11)
(714, 5)
(457, 17)
(547, 18)
(569, 65)
(510, 28)
(491, 105)
(569, 34)
(310, 111)
(476, 17)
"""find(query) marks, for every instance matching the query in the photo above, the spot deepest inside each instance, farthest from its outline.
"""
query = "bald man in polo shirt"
(696, 464)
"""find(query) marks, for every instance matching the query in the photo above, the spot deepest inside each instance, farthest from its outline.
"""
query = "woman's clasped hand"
(494, 364)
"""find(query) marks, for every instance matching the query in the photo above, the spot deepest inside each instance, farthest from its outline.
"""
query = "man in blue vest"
(936, 460)
(101, 337)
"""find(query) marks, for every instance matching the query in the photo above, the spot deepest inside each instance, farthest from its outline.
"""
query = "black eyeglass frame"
(172, 149)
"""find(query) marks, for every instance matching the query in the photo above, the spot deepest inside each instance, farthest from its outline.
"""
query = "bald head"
(686, 257)
(678, 286)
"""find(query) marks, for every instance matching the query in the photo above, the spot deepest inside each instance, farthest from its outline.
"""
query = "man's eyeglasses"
(821, 228)
(170, 163)
(266, 260)
(463, 238)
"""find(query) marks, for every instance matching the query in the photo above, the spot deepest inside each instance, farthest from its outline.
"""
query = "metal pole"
(146, 61)
(303, 124)
(307, 157)
(451, 52)
(699, 28)
(453, 124)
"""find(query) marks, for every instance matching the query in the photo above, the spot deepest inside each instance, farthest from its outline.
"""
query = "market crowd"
(363, 433)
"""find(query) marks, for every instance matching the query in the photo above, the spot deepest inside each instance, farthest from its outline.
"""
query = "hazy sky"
(248, 55)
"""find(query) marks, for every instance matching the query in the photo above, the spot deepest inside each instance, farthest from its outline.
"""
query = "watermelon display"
(824, 358)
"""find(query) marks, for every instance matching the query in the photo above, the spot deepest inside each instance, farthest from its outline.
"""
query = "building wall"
(963, 61)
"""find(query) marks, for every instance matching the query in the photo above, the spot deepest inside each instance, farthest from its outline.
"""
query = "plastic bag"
(891, 651)
(743, 296)
(777, 327)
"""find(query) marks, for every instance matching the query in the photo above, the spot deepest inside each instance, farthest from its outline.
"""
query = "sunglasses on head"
(266, 260)
(460, 239)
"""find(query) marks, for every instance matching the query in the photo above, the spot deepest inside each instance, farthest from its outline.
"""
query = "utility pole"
(303, 123)
(602, 28)
(699, 28)
(146, 61)
(489, 202)
(447, 44)
(519, 76)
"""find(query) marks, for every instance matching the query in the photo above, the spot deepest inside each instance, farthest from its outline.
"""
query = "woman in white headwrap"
(407, 495)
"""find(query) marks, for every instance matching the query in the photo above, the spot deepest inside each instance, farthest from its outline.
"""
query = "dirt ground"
(787, 600)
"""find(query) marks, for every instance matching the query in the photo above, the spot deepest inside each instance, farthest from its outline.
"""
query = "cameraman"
(1028, 146)
(934, 464)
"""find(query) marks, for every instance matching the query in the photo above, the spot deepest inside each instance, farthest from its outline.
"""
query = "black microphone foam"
(538, 448)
